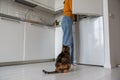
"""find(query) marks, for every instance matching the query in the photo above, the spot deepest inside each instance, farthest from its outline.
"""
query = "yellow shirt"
(68, 8)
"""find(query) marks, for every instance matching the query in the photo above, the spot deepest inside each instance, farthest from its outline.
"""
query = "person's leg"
(67, 35)
(72, 53)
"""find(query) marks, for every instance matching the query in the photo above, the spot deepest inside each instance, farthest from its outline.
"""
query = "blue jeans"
(67, 23)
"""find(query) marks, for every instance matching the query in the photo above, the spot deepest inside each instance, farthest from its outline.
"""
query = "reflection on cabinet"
(39, 42)
(88, 7)
(11, 40)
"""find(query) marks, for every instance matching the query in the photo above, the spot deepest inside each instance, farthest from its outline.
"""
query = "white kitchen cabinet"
(88, 7)
(49, 4)
(53, 5)
(93, 41)
(90, 41)
(39, 42)
(58, 40)
(3, 7)
(58, 5)
(11, 40)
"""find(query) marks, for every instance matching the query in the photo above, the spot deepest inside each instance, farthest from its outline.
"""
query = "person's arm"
(75, 18)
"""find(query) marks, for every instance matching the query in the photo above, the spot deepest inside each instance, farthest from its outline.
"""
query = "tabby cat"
(62, 62)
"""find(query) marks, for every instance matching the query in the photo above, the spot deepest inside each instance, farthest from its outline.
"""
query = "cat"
(63, 63)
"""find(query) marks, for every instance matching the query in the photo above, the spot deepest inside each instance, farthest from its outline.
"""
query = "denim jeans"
(67, 23)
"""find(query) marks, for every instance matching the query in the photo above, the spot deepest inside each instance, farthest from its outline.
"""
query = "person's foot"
(72, 67)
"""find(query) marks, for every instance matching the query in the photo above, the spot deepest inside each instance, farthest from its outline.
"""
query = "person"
(67, 23)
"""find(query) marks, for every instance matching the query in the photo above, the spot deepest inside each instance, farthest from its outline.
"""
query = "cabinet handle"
(9, 19)
(37, 2)
(35, 24)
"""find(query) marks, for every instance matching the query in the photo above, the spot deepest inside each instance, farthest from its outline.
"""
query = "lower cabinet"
(39, 42)
(20, 41)
(58, 40)
(11, 40)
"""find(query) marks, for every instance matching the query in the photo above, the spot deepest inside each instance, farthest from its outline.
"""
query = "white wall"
(111, 31)
(114, 29)
(107, 62)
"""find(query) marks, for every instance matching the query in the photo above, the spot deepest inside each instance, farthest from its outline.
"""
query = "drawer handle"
(9, 19)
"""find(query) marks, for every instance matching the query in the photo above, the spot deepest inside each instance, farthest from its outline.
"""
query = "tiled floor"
(80, 72)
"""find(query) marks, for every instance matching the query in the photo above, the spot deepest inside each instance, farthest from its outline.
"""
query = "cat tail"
(49, 72)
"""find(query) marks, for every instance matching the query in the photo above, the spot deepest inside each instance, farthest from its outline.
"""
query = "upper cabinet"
(48, 4)
(82, 7)
(88, 7)
(58, 5)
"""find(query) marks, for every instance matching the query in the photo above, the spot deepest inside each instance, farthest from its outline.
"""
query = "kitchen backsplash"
(12, 8)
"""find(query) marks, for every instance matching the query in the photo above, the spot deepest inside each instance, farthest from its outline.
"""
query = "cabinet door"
(49, 4)
(90, 41)
(40, 43)
(88, 7)
(11, 40)
(58, 5)
(58, 40)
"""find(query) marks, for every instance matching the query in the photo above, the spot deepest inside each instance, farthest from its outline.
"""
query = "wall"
(111, 12)
(107, 61)
(114, 29)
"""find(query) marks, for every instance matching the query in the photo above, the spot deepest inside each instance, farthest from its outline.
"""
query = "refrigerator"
(89, 41)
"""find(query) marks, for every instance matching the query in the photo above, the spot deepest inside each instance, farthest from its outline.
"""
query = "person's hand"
(75, 18)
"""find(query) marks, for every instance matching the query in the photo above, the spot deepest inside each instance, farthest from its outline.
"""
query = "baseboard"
(89, 65)
(25, 62)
